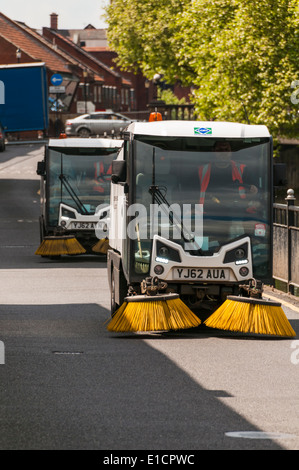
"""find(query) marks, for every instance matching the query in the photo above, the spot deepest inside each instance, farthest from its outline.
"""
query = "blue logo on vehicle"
(202, 130)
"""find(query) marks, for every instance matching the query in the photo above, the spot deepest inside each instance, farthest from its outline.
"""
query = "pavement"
(286, 299)
(26, 142)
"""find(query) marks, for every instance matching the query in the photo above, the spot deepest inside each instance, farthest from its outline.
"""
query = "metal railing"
(173, 111)
(286, 242)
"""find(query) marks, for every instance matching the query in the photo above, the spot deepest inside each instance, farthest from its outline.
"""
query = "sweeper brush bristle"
(157, 313)
(56, 246)
(248, 315)
(101, 246)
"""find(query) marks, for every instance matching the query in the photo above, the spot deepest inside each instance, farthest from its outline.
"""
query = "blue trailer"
(23, 97)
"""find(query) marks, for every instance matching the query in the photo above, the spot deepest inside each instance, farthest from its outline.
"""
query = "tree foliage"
(142, 35)
(241, 56)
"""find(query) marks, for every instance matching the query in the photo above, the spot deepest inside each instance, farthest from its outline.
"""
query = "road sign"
(57, 89)
(56, 79)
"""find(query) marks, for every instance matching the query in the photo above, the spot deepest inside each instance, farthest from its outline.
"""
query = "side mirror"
(119, 171)
(279, 174)
(41, 168)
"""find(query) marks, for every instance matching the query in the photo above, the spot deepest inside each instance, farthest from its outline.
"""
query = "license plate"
(83, 225)
(201, 274)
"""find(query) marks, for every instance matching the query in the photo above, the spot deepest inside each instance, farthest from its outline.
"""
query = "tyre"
(41, 229)
(122, 291)
(113, 304)
(84, 132)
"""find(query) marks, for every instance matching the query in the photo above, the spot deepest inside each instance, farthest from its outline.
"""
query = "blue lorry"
(23, 97)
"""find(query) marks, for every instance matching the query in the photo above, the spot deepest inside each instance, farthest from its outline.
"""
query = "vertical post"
(290, 222)
(85, 75)
(56, 112)
(85, 103)
(2, 92)
(2, 353)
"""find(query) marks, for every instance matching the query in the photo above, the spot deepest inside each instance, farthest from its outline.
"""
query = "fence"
(173, 111)
(286, 243)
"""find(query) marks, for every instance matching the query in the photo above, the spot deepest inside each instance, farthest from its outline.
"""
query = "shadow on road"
(68, 383)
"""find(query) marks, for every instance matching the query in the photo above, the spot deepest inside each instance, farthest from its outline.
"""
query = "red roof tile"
(33, 45)
(82, 52)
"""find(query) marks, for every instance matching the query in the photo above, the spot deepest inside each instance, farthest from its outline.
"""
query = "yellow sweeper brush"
(101, 246)
(249, 315)
(60, 245)
(153, 313)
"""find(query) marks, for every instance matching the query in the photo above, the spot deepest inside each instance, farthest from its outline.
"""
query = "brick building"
(91, 79)
(113, 91)
(89, 83)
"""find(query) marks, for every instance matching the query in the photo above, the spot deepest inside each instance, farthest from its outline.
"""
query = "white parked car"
(97, 123)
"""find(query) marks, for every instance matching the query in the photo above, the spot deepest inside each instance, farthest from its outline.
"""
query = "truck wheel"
(41, 228)
(121, 294)
(113, 304)
(84, 132)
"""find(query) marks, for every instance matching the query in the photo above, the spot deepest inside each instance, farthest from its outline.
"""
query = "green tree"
(244, 66)
(142, 35)
(241, 56)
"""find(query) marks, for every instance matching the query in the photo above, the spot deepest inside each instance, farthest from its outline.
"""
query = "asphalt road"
(69, 384)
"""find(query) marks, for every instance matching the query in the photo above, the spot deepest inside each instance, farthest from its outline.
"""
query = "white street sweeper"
(75, 194)
(190, 219)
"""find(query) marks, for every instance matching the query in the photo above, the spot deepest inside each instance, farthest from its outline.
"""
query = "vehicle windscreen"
(222, 184)
(79, 178)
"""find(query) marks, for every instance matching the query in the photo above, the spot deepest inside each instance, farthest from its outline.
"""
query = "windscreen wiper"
(73, 194)
(158, 197)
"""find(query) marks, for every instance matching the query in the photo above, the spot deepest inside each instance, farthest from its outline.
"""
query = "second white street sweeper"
(75, 194)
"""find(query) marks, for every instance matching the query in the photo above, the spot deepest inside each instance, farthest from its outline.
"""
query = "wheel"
(113, 304)
(84, 132)
(121, 294)
(41, 229)
(42, 232)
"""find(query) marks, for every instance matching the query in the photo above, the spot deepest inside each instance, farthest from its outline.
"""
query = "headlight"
(239, 253)
(163, 252)
(67, 213)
